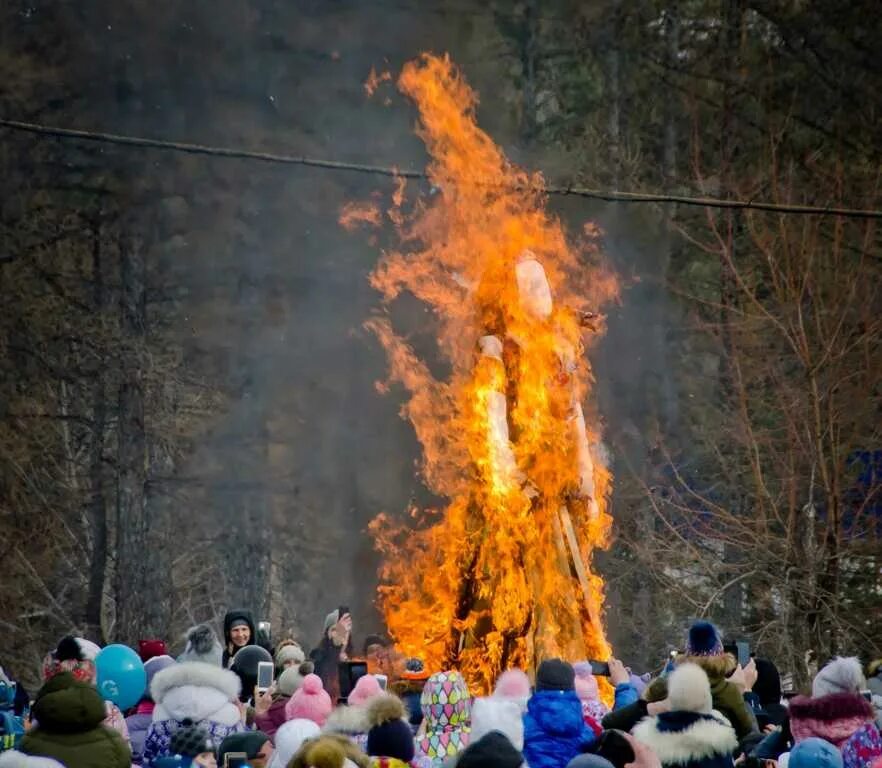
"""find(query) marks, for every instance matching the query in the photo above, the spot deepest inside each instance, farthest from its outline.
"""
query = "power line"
(379, 170)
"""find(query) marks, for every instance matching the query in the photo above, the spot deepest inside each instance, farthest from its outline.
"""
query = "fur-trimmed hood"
(196, 691)
(681, 738)
(834, 718)
(715, 667)
(348, 720)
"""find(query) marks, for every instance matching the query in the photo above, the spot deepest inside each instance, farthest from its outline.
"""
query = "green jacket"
(69, 714)
(729, 702)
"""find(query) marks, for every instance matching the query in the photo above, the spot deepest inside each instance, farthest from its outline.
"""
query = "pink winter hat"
(365, 689)
(513, 684)
(310, 702)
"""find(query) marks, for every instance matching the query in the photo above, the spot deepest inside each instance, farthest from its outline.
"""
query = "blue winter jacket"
(554, 729)
(626, 694)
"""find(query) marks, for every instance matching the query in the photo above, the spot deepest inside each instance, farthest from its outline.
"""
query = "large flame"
(502, 576)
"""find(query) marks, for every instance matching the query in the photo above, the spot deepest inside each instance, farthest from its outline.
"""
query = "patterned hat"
(69, 657)
(447, 710)
(190, 740)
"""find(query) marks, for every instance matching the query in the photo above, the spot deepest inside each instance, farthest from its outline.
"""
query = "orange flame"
(502, 576)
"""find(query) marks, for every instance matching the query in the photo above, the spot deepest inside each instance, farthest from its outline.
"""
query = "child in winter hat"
(446, 705)
(288, 654)
(290, 738)
(329, 752)
(815, 753)
(310, 702)
(195, 743)
(202, 645)
(390, 740)
(513, 684)
(493, 750)
(367, 688)
(704, 640)
(69, 657)
(498, 714)
(842, 675)
(588, 692)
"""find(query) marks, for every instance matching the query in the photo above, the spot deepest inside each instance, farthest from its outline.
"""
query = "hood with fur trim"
(196, 691)
(684, 738)
(715, 667)
(348, 720)
(834, 718)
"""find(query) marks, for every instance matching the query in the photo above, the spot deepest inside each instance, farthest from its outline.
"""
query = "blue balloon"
(121, 676)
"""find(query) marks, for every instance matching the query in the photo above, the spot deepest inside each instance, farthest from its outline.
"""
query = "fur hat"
(389, 734)
(190, 741)
(147, 649)
(689, 690)
(290, 738)
(202, 645)
(289, 651)
(842, 675)
(292, 678)
(513, 684)
(310, 702)
(498, 714)
(555, 675)
(815, 753)
(367, 688)
(704, 640)
(493, 750)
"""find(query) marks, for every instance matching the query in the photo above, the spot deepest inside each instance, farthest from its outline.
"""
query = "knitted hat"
(555, 675)
(414, 669)
(842, 675)
(202, 645)
(704, 640)
(367, 688)
(289, 739)
(249, 742)
(493, 750)
(815, 753)
(498, 714)
(292, 678)
(513, 684)
(156, 664)
(191, 740)
(389, 734)
(289, 652)
(689, 690)
(310, 701)
(147, 649)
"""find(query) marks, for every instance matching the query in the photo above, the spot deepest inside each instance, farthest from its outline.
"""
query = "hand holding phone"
(599, 668)
(235, 759)
(265, 673)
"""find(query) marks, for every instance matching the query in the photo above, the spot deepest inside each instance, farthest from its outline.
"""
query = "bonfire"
(501, 576)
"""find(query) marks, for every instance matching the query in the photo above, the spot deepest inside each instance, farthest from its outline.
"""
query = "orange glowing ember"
(502, 577)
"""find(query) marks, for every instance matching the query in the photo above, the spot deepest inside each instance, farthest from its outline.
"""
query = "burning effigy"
(501, 576)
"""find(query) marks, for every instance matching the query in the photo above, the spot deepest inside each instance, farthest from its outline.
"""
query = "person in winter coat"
(203, 646)
(290, 737)
(554, 727)
(239, 631)
(70, 715)
(351, 720)
(77, 656)
(410, 690)
(203, 694)
(704, 647)
(288, 654)
(765, 697)
(389, 738)
(691, 735)
(445, 730)
(310, 702)
(139, 721)
(270, 718)
(334, 647)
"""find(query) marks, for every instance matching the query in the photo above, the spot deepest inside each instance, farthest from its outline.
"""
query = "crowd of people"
(342, 707)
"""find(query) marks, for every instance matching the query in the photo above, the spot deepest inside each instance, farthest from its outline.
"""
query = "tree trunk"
(614, 87)
(97, 504)
(133, 597)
